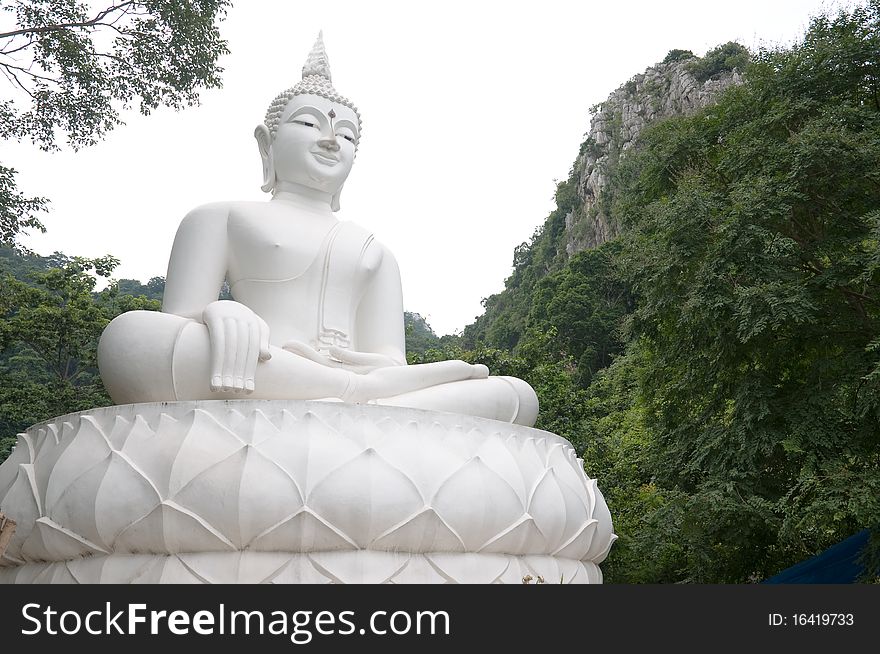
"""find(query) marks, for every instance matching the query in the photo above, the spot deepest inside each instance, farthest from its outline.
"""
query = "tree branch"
(27, 72)
(9, 73)
(21, 47)
(96, 21)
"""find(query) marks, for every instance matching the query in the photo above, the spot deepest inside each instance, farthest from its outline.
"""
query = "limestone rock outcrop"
(662, 91)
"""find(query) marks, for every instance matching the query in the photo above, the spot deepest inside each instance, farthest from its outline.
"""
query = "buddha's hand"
(239, 339)
(337, 357)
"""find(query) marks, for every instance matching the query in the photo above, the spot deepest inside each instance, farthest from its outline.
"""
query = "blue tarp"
(839, 564)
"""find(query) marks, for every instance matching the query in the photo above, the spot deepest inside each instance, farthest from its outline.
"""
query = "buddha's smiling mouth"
(327, 159)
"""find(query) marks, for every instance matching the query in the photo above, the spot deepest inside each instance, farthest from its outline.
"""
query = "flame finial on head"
(317, 62)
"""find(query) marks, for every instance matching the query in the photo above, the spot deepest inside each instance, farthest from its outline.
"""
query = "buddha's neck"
(303, 196)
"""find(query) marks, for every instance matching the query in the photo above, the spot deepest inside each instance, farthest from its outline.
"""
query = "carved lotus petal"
(545, 503)
(75, 508)
(124, 495)
(88, 447)
(51, 542)
(174, 571)
(424, 532)
(453, 438)
(47, 450)
(470, 568)
(504, 464)
(317, 450)
(153, 450)
(47, 436)
(57, 574)
(22, 453)
(561, 460)
(253, 567)
(302, 532)
(133, 568)
(207, 442)
(235, 568)
(524, 536)
(91, 569)
(300, 571)
(418, 570)
(576, 519)
(171, 528)
(232, 495)
(22, 495)
(427, 462)
(359, 567)
(603, 538)
(367, 495)
(529, 459)
(256, 428)
(477, 522)
(577, 546)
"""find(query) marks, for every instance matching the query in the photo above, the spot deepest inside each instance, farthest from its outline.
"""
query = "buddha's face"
(315, 142)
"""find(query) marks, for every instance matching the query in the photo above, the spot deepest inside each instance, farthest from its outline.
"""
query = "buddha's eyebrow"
(342, 122)
(307, 108)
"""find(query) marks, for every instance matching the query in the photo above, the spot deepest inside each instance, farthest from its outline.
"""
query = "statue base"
(250, 491)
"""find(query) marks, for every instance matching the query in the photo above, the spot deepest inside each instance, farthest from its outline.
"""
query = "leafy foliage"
(71, 69)
(17, 212)
(677, 55)
(419, 335)
(81, 66)
(49, 329)
(725, 57)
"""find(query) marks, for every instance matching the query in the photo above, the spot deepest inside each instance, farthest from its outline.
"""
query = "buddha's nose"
(329, 142)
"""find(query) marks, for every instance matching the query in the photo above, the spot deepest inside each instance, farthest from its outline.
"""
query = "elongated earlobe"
(264, 143)
(334, 201)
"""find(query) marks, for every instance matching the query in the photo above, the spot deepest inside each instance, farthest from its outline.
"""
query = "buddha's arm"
(239, 338)
(379, 326)
(197, 266)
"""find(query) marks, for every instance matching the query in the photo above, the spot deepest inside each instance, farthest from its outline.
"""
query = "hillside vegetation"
(716, 364)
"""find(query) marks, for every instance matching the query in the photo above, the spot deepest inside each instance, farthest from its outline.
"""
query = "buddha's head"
(310, 133)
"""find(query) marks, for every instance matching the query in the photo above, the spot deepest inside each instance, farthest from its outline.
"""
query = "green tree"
(419, 335)
(72, 69)
(751, 245)
(677, 55)
(49, 334)
(582, 305)
(726, 57)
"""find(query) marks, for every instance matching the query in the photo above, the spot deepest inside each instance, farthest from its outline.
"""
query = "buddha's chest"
(272, 247)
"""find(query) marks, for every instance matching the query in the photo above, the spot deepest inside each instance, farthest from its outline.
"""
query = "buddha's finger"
(242, 332)
(218, 347)
(356, 358)
(480, 371)
(253, 354)
(231, 339)
(305, 351)
(265, 354)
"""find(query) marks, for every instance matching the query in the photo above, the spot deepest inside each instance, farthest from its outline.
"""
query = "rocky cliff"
(666, 89)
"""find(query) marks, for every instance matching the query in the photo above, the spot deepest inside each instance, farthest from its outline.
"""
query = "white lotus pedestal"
(253, 491)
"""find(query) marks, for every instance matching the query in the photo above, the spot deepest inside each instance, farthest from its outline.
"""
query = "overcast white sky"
(471, 110)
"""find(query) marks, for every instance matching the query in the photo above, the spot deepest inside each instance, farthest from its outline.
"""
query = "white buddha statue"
(317, 310)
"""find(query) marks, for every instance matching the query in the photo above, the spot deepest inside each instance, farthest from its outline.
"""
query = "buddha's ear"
(334, 201)
(264, 142)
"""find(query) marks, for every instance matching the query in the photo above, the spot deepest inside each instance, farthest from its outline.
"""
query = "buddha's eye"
(347, 137)
(307, 123)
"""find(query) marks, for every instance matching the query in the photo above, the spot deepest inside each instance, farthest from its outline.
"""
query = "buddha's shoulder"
(372, 242)
(217, 214)
(374, 253)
